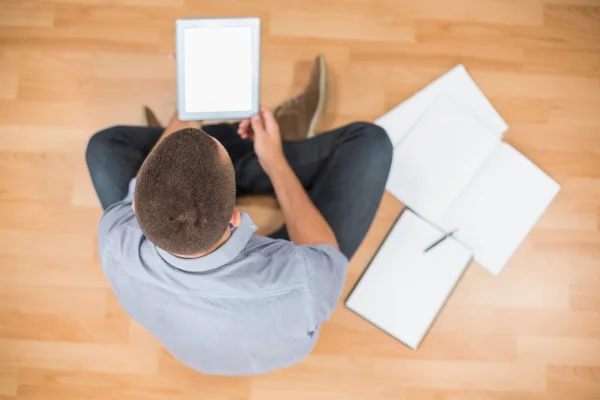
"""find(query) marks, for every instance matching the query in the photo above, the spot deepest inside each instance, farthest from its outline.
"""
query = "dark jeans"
(344, 170)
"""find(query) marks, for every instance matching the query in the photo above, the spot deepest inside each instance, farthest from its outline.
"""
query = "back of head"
(185, 193)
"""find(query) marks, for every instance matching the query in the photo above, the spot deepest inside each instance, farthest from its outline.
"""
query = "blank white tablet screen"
(218, 69)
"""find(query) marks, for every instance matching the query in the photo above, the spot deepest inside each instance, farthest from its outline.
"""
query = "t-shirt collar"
(221, 256)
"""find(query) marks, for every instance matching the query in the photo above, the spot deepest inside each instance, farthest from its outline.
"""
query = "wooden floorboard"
(71, 67)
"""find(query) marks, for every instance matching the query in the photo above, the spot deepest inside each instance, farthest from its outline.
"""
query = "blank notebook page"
(403, 288)
(437, 159)
(500, 206)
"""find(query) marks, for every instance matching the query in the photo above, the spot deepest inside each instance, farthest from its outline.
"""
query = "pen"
(447, 235)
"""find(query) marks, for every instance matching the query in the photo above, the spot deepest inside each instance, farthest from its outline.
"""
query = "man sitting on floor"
(185, 263)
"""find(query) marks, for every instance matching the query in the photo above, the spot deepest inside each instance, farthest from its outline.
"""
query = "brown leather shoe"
(300, 116)
(151, 119)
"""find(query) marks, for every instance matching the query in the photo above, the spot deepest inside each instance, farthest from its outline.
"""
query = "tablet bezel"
(183, 24)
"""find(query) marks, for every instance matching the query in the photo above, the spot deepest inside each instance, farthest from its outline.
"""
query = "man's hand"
(263, 129)
(305, 224)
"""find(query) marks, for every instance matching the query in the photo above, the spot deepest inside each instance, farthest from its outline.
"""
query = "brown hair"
(185, 193)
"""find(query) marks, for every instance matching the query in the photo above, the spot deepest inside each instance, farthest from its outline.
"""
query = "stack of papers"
(454, 173)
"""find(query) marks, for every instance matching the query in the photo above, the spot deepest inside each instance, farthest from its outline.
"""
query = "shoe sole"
(322, 102)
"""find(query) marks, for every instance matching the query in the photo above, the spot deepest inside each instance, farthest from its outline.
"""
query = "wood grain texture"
(71, 67)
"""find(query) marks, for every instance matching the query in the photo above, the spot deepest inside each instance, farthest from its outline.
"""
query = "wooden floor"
(71, 67)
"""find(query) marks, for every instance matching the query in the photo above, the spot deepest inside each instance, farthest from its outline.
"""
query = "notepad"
(454, 172)
(404, 288)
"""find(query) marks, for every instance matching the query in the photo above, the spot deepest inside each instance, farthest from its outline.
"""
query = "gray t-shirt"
(252, 306)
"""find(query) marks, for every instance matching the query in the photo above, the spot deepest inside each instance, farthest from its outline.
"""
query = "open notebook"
(455, 86)
(457, 174)
(404, 288)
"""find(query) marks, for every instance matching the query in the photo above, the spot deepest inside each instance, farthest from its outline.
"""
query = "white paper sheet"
(434, 163)
(404, 289)
(218, 69)
(496, 210)
(456, 86)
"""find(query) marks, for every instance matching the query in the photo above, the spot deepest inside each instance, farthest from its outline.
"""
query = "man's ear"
(133, 206)
(236, 218)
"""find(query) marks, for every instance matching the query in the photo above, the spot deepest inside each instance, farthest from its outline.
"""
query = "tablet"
(218, 68)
